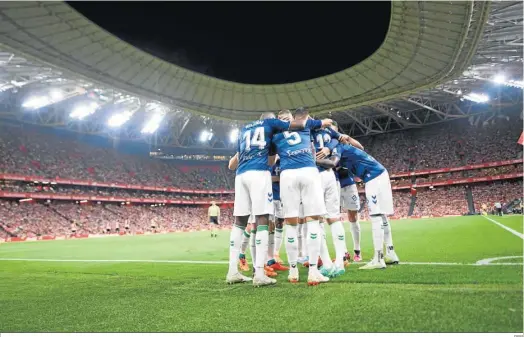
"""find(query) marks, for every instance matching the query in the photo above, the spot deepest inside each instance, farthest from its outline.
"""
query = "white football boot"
(263, 281)
(391, 257)
(237, 278)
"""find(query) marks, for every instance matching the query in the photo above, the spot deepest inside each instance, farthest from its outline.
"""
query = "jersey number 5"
(258, 139)
(293, 138)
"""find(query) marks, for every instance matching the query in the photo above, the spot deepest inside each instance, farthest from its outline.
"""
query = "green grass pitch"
(117, 291)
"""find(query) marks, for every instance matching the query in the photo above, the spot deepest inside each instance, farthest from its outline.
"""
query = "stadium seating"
(30, 153)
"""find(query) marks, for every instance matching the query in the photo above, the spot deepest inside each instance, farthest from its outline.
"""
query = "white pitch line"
(512, 231)
(226, 262)
(488, 261)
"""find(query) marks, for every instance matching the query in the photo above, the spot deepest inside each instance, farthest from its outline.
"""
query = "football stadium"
(137, 195)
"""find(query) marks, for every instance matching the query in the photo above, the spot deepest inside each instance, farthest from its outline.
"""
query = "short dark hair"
(267, 115)
(302, 111)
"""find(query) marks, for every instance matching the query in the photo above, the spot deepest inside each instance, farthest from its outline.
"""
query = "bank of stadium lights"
(83, 110)
(477, 98)
(36, 102)
(42, 100)
(233, 135)
(153, 124)
(206, 136)
(158, 112)
(119, 119)
(501, 79)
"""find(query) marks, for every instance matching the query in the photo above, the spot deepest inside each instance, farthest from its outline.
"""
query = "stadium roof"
(427, 43)
(29, 63)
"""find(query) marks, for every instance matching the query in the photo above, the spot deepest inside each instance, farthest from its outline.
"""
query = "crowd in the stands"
(28, 152)
(32, 219)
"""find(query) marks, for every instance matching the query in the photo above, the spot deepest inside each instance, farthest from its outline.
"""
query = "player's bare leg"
(355, 233)
(390, 257)
(233, 275)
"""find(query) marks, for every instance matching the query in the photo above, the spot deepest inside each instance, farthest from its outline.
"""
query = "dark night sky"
(249, 42)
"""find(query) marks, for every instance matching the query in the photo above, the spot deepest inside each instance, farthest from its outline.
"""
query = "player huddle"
(300, 171)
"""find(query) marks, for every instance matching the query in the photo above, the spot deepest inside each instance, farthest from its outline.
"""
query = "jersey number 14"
(258, 139)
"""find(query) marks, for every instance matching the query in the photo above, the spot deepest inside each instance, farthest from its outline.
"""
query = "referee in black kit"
(213, 213)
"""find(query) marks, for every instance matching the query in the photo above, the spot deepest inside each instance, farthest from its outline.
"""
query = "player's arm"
(275, 179)
(218, 217)
(233, 162)
(331, 162)
(328, 149)
(326, 163)
(352, 141)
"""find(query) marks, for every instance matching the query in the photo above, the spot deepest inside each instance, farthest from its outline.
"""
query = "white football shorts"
(253, 193)
(349, 198)
(379, 196)
(302, 185)
(331, 193)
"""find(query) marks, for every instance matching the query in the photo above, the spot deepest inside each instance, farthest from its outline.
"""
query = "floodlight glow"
(36, 102)
(84, 110)
(206, 136)
(477, 98)
(153, 124)
(56, 94)
(500, 79)
(119, 119)
(233, 136)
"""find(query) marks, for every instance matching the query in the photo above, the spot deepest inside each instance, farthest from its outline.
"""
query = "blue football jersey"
(275, 172)
(254, 141)
(294, 148)
(325, 138)
(359, 163)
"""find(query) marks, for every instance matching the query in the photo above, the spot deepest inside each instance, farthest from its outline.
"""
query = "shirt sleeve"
(335, 152)
(332, 144)
(333, 133)
(278, 125)
(313, 124)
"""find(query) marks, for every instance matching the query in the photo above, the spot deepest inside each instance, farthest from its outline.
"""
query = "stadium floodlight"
(153, 124)
(36, 102)
(233, 136)
(83, 110)
(477, 98)
(206, 136)
(56, 94)
(118, 119)
(499, 79)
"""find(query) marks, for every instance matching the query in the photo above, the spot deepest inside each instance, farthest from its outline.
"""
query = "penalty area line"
(226, 262)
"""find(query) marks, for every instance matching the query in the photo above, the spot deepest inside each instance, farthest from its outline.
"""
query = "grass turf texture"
(154, 296)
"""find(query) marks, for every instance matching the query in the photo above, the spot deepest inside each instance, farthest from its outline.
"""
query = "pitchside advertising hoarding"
(198, 334)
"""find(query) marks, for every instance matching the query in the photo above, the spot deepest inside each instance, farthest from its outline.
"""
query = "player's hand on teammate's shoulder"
(327, 122)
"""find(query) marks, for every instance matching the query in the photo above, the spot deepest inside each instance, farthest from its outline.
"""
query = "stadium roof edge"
(412, 57)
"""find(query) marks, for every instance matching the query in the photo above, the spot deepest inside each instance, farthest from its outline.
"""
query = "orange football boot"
(270, 272)
(242, 264)
(278, 267)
